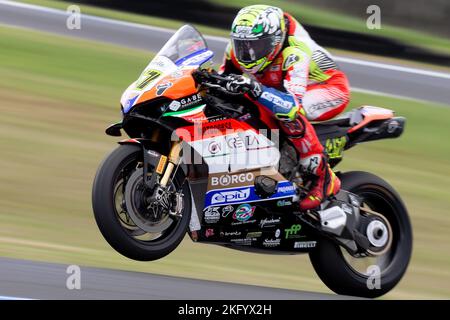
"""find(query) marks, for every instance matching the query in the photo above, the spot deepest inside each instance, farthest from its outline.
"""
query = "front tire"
(330, 260)
(116, 227)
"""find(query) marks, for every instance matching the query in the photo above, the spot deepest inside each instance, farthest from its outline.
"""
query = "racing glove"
(240, 84)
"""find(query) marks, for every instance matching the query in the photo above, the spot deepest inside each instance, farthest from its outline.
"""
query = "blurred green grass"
(58, 94)
(305, 13)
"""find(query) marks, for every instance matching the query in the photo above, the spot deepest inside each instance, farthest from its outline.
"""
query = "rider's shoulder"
(294, 54)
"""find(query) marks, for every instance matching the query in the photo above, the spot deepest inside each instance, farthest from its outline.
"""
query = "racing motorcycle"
(207, 163)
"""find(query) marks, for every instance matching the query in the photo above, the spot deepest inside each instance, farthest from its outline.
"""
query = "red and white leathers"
(306, 79)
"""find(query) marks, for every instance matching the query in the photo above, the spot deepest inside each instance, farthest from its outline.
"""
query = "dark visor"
(248, 51)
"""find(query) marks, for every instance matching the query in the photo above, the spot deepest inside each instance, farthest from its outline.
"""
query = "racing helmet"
(257, 36)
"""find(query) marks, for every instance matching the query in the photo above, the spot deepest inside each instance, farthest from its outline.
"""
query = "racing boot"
(325, 185)
(312, 161)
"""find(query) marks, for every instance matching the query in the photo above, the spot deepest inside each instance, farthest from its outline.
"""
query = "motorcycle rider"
(290, 74)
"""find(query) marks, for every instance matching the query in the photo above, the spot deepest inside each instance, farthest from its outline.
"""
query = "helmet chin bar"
(258, 67)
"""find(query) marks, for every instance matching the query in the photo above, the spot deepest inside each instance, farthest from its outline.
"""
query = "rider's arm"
(296, 62)
(229, 64)
(283, 104)
(295, 67)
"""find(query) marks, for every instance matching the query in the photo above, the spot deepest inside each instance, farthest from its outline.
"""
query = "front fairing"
(169, 73)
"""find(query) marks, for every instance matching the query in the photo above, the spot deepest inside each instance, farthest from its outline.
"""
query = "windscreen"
(185, 42)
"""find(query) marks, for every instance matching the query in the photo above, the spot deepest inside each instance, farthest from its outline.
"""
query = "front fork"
(174, 161)
(158, 168)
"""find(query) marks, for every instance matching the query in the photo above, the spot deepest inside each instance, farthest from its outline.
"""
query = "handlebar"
(216, 92)
(214, 81)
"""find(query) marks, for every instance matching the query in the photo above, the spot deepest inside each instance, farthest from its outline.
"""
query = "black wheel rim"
(131, 229)
(376, 199)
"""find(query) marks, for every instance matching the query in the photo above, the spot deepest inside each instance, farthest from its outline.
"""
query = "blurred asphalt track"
(363, 75)
(37, 280)
(22, 279)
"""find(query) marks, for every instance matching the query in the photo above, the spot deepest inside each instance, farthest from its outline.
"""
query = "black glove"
(240, 84)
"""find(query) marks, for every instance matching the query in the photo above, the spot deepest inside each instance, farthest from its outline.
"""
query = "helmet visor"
(250, 51)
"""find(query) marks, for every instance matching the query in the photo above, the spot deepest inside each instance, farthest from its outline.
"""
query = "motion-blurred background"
(58, 91)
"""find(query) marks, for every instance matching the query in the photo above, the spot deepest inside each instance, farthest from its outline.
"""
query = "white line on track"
(366, 63)
(13, 298)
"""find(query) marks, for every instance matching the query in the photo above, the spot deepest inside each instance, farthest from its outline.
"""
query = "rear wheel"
(379, 270)
(132, 223)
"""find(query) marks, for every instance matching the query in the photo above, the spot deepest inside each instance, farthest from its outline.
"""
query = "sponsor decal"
(230, 196)
(153, 153)
(304, 244)
(161, 88)
(235, 142)
(325, 105)
(185, 102)
(253, 141)
(174, 105)
(347, 208)
(227, 179)
(209, 233)
(161, 164)
(290, 60)
(214, 147)
(284, 203)
(227, 210)
(244, 194)
(277, 233)
(230, 234)
(198, 59)
(237, 223)
(293, 231)
(222, 126)
(269, 222)
(244, 30)
(242, 242)
(286, 189)
(195, 98)
(270, 243)
(276, 100)
(216, 119)
(244, 212)
(254, 234)
(212, 215)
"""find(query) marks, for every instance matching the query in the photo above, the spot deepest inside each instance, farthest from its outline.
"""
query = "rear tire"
(106, 215)
(328, 258)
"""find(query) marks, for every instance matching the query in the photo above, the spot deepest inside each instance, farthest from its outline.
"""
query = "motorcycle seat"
(341, 121)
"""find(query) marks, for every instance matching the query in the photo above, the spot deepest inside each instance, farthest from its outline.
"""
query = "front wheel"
(125, 214)
(375, 274)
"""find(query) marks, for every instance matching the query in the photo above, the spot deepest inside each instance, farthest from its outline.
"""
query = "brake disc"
(141, 212)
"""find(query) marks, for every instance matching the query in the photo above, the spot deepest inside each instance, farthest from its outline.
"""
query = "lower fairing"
(271, 228)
